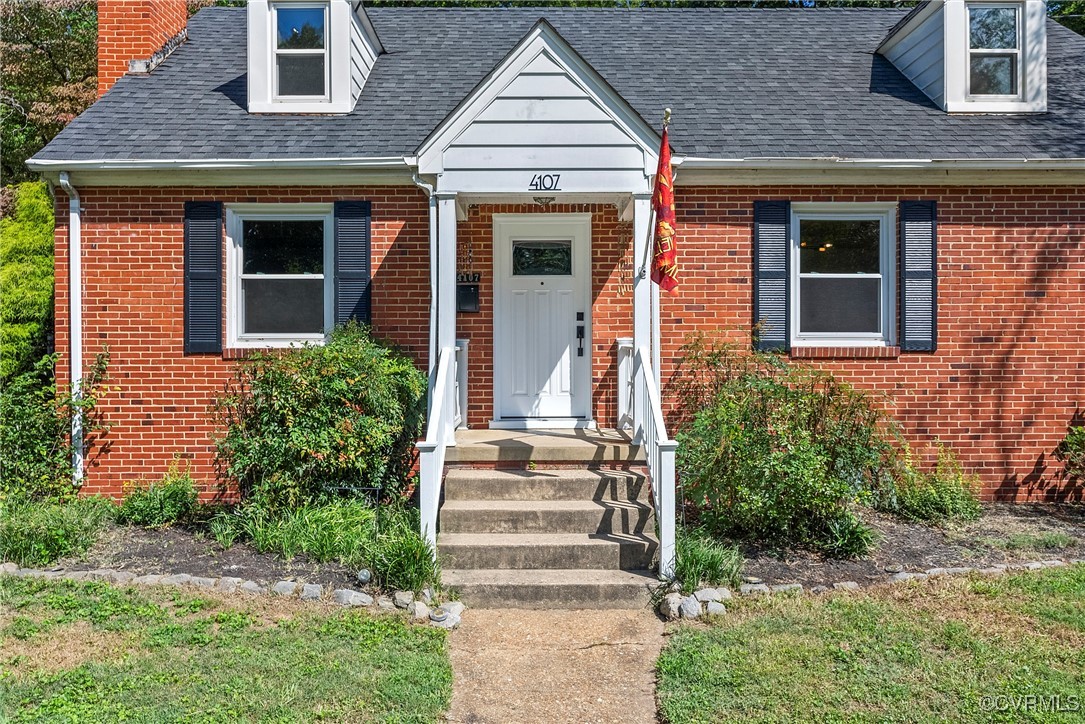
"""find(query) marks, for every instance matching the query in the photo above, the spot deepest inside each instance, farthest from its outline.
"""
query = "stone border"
(446, 615)
(709, 601)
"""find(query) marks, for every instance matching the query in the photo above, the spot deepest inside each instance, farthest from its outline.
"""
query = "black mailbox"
(467, 297)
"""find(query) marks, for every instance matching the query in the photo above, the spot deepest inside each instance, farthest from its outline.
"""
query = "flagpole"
(652, 218)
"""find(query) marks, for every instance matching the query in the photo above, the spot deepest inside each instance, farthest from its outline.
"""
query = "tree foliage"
(26, 279)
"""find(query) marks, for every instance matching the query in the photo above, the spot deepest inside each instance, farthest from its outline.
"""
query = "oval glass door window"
(542, 258)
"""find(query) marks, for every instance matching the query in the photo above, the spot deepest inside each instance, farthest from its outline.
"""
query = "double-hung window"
(994, 50)
(842, 274)
(301, 50)
(280, 281)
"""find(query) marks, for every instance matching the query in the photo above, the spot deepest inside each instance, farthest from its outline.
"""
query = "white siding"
(920, 56)
(362, 57)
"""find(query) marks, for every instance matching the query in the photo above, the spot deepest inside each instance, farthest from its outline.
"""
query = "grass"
(1047, 541)
(36, 533)
(929, 651)
(90, 652)
(701, 560)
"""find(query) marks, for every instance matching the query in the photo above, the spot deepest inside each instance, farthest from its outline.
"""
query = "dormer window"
(301, 49)
(994, 50)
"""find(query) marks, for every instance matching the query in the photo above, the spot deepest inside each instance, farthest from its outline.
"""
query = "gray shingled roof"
(743, 84)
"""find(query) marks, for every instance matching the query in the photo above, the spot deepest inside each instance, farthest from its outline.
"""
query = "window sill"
(828, 352)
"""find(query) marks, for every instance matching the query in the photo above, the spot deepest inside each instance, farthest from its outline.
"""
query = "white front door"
(542, 319)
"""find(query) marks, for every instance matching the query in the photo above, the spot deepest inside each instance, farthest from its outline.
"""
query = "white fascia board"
(1017, 164)
(387, 162)
(906, 29)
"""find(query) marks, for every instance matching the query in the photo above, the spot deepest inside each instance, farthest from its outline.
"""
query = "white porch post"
(446, 287)
(642, 301)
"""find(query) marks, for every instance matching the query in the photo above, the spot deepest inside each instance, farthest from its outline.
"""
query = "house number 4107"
(545, 182)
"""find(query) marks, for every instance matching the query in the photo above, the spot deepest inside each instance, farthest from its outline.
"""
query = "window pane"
(283, 306)
(283, 247)
(994, 75)
(542, 258)
(839, 247)
(992, 28)
(301, 75)
(300, 28)
(840, 305)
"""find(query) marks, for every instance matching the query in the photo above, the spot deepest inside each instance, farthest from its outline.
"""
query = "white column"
(642, 299)
(446, 293)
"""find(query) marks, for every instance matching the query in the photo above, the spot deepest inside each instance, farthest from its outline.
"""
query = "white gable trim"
(541, 49)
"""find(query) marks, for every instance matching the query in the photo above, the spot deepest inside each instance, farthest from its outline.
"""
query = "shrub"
(35, 421)
(778, 452)
(26, 279)
(317, 421)
(1071, 451)
(701, 560)
(943, 494)
(158, 504)
(37, 533)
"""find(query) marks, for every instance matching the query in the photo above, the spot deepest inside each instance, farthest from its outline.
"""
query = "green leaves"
(26, 279)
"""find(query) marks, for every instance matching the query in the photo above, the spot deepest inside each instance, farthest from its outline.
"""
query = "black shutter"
(771, 274)
(918, 276)
(203, 277)
(352, 268)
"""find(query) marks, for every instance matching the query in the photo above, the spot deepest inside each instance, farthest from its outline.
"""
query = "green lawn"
(89, 652)
(951, 649)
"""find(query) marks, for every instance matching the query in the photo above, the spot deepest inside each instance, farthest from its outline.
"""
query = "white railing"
(440, 433)
(625, 383)
(659, 451)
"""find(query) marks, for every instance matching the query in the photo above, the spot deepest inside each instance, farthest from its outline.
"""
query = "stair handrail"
(440, 433)
(659, 453)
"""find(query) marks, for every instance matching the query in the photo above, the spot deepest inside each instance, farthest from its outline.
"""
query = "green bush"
(1071, 451)
(701, 560)
(345, 531)
(35, 422)
(317, 421)
(943, 494)
(26, 279)
(154, 505)
(37, 533)
(778, 452)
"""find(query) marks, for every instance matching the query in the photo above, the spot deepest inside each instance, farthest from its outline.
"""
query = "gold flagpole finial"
(666, 117)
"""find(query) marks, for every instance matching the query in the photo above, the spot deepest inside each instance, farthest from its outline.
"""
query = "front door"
(542, 319)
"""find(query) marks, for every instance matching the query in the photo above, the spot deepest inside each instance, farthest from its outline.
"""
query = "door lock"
(580, 340)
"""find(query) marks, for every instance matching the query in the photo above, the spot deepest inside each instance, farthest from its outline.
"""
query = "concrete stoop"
(578, 536)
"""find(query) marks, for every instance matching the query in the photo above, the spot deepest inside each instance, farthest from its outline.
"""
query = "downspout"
(428, 188)
(75, 320)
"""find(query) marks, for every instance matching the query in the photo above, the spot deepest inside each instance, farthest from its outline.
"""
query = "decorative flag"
(665, 254)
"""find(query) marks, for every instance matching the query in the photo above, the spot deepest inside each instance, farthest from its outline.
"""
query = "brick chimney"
(144, 31)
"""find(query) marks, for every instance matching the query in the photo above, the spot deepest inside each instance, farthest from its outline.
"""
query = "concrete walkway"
(555, 666)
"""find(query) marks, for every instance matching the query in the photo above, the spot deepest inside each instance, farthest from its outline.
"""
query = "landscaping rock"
(959, 570)
(725, 594)
(907, 576)
(445, 620)
(936, 571)
(787, 588)
(993, 571)
(312, 592)
(402, 599)
(284, 588)
(364, 576)
(1053, 564)
(893, 568)
(751, 589)
(846, 586)
(1033, 566)
(690, 608)
(385, 604)
(252, 587)
(122, 578)
(752, 580)
(347, 597)
(707, 594)
(229, 584)
(454, 607)
(669, 606)
(715, 608)
(819, 589)
(100, 574)
(179, 579)
(427, 595)
(418, 611)
(73, 576)
(151, 579)
(8, 568)
(203, 581)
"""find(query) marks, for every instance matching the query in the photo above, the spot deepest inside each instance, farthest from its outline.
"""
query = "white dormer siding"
(934, 50)
(350, 49)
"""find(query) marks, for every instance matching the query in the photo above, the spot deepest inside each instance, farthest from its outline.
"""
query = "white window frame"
(236, 215)
(886, 215)
(1018, 51)
(276, 51)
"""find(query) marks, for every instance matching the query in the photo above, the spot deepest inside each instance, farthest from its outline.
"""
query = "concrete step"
(545, 550)
(557, 484)
(546, 516)
(558, 588)
(544, 446)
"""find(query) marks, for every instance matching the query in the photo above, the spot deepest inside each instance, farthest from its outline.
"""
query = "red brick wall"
(133, 30)
(1006, 379)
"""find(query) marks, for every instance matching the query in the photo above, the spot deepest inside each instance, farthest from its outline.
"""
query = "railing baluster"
(440, 433)
(659, 454)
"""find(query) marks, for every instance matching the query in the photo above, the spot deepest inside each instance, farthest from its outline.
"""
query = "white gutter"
(1006, 164)
(378, 162)
(428, 188)
(75, 320)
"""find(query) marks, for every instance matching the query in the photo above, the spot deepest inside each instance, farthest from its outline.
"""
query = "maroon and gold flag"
(665, 254)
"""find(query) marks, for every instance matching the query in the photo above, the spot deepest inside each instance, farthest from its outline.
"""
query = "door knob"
(580, 339)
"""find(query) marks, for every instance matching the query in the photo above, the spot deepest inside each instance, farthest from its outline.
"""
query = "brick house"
(896, 196)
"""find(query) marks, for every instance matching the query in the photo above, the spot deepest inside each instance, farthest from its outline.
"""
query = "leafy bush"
(37, 533)
(35, 422)
(346, 531)
(158, 504)
(778, 452)
(943, 494)
(312, 422)
(1071, 451)
(701, 560)
(26, 279)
